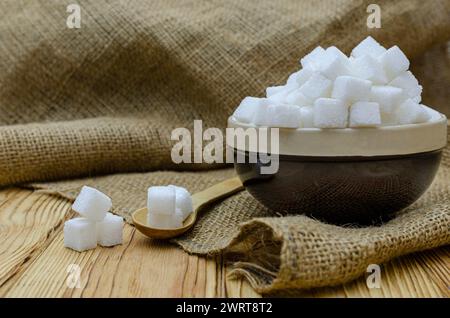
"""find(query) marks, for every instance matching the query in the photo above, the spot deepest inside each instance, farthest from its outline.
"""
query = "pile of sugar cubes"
(168, 206)
(96, 224)
(372, 87)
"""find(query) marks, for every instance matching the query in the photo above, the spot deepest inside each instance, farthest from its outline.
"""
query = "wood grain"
(34, 263)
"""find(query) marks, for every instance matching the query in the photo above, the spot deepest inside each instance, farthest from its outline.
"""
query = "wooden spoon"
(199, 201)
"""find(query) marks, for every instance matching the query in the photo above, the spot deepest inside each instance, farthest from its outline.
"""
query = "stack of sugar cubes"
(373, 87)
(168, 206)
(96, 224)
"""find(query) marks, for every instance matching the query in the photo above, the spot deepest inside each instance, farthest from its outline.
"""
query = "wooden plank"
(34, 263)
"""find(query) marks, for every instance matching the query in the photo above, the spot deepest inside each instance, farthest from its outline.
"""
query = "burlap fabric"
(104, 98)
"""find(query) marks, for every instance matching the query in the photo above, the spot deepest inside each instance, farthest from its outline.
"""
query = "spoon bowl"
(199, 201)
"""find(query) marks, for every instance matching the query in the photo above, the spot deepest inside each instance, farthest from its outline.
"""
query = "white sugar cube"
(409, 83)
(313, 59)
(388, 97)
(80, 234)
(409, 112)
(307, 116)
(417, 99)
(351, 89)
(368, 46)
(369, 68)
(316, 86)
(92, 204)
(394, 62)
(330, 113)
(272, 90)
(334, 63)
(283, 115)
(161, 200)
(110, 230)
(299, 78)
(365, 114)
(434, 115)
(261, 118)
(247, 108)
(296, 97)
(164, 221)
(183, 201)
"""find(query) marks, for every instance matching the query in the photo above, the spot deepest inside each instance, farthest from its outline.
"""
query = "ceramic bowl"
(345, 176)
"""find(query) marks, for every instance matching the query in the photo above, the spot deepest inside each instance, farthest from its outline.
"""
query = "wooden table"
(34, 263)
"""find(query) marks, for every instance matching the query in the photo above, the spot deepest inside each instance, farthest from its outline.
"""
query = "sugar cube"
(388, 97)
(247, 108)
(434, 115)
(110, 230)
(365, 114)
(330, 113)
(369, 68)
(92, 204)
(272, 90)
(261, 118)
(394, 62)
(183, 201)
(334, 63)
(409, 112)
(80, 234)
(283, 115)
(307, 116)
(161, 200)
(316, 86)
(409, 83)
(351, 89)
(312, 60)
(301, 76)
(296, 97)
(164, 221)
(368, 46)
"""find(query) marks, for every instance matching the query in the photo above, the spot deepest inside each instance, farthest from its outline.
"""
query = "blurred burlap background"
(102, 100)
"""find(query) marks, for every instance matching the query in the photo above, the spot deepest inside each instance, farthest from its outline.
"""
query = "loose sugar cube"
(368, 46)
(408, 82)
(261, 118)
(369, 68)
(80, 234)
(183, 201)
(272, 90)
(388, 97)
(110, 230)
(92, 204)
(313, 59)
(164, 221)
(161, 200)
(283, 115)
(330, 113)
(247, 109)
(351, 89)
(316, 86)
(394, 62)
(307, 116)
(334, 63)
(409, 112)
(365, 114)
(296, 97)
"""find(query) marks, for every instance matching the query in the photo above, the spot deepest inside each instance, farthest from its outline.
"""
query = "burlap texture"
(104, 98)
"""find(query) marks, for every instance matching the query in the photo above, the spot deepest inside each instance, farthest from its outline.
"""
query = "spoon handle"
(216, 192)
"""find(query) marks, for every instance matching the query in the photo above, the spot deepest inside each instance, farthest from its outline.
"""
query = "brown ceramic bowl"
(346, 176)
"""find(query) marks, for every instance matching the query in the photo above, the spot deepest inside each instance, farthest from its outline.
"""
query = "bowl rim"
(371, 141)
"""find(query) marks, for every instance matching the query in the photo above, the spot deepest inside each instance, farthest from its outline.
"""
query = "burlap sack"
(103, 99)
